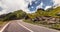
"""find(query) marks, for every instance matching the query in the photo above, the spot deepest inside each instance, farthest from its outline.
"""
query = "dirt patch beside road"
(2, 24)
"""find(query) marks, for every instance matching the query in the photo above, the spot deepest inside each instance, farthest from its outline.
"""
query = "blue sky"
(28, 6)
(36, 3)
(1, 8)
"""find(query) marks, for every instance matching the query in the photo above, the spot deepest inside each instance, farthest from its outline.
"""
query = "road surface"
(20, 26)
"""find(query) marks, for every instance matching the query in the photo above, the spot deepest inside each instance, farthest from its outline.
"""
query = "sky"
(28, 6)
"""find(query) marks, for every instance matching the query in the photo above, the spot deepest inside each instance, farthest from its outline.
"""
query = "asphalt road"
(20, 26)
(15, 27)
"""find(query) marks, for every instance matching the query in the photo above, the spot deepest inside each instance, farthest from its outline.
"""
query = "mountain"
(19, 14)
(13, 15)
(49, 12)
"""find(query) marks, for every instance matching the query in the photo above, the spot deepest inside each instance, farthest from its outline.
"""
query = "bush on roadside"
(55, 26)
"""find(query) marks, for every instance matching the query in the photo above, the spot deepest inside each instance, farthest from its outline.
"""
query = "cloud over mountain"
(28, 6)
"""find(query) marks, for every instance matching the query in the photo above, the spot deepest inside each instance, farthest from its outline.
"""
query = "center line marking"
(24, 27)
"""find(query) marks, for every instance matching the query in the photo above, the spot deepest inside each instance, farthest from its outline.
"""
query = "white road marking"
(24, 27)
(43, 27)
(4, 27)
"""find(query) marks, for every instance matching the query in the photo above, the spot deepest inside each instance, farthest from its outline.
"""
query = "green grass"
(29, 21)
(55, 26)
(45, 24)
(2, 23)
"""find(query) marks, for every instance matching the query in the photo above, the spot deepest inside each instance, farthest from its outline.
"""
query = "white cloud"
(0, 3)
(47, 7)
(13, 5)
(40, 6)
(56, 2)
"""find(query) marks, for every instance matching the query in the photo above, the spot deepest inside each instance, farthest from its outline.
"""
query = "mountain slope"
(40, 12)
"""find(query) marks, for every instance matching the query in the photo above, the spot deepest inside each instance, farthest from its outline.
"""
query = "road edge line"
(43, 27)
(4, 27)
(25, 27)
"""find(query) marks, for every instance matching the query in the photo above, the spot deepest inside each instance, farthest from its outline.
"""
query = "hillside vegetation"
(13, 15)
(40, 12)
(49, 18)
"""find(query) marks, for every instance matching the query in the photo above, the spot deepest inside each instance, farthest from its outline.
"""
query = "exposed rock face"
(47, 19)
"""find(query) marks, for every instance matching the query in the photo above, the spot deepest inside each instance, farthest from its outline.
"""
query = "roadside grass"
(2, 23)
(45, 24)
(29, 21)
(56, 26)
